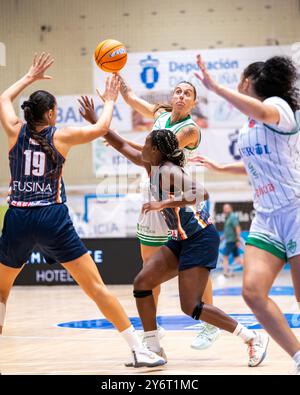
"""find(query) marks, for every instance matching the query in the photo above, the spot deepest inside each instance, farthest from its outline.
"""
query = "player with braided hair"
(194, 248)
(152, 231)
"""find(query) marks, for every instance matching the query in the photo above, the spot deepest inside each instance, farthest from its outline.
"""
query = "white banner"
(105, 215)
(108, 161)
(155, 75)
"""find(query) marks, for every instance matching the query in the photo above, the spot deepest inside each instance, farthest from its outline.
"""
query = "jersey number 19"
(34, 164)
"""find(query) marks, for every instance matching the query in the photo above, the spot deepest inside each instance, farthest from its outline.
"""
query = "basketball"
(110, 55)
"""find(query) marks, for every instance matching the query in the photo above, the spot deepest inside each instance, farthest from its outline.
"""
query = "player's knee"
(253, 294)
(141, 282)
(97, 290)
(192, 310)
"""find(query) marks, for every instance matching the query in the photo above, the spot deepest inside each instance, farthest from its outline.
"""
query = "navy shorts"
(201, 249)
(231, 248)
(48, 230)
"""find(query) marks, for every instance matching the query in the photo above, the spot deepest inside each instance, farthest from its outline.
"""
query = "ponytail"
(34, 109)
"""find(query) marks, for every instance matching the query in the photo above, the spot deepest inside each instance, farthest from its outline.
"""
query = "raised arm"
(87, 111)
(140, 105)
(249, 106)
(8, 117)
(121, 145)
(231, 168)
(67, 137)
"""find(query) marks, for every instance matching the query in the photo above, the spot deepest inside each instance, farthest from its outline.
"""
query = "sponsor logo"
(149, 74)
(256, 150)
(120, 51)
(252, 170)
(264, 190)
(31, 187)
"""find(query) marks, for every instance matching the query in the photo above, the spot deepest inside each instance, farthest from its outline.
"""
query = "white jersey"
(152, 228)
(271, 154)
(164, 122)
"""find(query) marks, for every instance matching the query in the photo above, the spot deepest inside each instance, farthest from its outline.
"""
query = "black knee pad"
(142, 294)
(197, 311)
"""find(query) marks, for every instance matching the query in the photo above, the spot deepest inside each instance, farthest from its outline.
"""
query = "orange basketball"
(110, 55)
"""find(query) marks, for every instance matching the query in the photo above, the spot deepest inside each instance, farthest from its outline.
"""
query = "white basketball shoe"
(257, 349)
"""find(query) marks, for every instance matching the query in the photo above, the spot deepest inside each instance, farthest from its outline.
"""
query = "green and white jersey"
(271, 154)
(152, 229)
(164, 122)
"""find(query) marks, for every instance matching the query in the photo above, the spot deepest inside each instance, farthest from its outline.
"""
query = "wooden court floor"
(32, 343)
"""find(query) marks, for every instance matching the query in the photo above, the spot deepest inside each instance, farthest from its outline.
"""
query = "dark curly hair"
(34, 110)
(167, 143)
(275, 77)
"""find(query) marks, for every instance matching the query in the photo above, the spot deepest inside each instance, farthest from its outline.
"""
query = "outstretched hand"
(205, 162)
(39, 66)
(205, 78)
(112, 88)
(87, 109)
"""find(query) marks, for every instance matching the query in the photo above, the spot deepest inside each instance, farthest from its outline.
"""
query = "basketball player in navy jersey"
(193, 250)
(37, 216)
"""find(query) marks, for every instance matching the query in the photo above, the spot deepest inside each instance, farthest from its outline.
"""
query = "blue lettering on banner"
(37, 258)
(233, 148)
(71, 115)
(104, 229)
(176, 322)
(187, 68)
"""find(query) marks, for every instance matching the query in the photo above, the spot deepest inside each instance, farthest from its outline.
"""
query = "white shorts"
(277, 233)
(152, 229)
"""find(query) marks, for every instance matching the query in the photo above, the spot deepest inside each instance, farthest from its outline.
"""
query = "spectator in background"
(232, 236)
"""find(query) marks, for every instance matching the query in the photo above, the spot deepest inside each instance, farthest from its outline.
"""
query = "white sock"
(296, 358)
(131, 337)
(298, 305)
(2, 313)
(244, 333)
(152, 340)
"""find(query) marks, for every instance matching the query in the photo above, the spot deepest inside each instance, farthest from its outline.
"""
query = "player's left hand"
(152, 206)
(87, 109)
(40, 65)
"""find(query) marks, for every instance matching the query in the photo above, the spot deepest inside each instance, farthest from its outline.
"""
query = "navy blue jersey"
(35, 179)
(183, 222)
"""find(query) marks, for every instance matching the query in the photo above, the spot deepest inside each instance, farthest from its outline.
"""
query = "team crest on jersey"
(33, 142)
(291, 246)
(252, 123)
